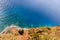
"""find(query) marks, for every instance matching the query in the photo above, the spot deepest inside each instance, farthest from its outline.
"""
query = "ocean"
(23, 16)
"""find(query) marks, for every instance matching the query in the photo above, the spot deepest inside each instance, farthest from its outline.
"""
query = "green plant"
(35, 37)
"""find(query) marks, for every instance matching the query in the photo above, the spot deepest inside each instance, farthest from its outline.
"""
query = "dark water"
(23, 16)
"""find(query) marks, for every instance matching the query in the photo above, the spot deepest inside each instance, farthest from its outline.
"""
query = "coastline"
(17, 27)
(14, 32)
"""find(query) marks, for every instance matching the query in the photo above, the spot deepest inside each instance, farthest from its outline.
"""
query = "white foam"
(8, 27)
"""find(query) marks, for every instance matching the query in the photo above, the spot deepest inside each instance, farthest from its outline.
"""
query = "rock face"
(31, 34)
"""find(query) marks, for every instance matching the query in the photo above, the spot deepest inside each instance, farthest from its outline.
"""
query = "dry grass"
(32, 34)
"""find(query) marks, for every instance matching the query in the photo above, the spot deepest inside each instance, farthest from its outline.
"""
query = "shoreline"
(41, 33)
(17, 27)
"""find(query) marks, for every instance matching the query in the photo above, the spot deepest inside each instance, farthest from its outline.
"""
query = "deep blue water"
(25, 17)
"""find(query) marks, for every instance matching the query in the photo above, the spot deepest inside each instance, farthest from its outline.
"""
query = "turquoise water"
(23, 16)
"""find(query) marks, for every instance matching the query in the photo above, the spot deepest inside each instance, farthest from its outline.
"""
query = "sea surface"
(22, 15)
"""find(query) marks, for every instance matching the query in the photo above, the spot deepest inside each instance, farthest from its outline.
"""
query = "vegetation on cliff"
(43, 33)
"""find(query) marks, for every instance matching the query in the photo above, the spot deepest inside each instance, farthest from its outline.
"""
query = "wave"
(15, 26)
